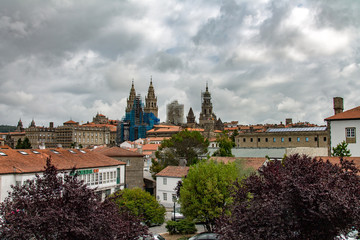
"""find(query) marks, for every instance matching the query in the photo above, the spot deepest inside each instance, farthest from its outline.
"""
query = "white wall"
(169, 189)
(310, 151)
(338, 134)
(7, 180)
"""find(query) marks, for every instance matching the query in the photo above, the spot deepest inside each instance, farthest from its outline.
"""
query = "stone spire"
(151, 101)
(132, 96)
(190, 119)
(206, 107)
(20, 127)
(32, 124)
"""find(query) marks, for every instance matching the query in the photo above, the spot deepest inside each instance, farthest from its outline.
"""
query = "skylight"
(2, 154)
(36, 152)
(23, 153)
(82, 151)
(72, 151)
(54, 151)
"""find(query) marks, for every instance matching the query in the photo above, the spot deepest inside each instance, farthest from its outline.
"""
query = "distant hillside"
(6, 128)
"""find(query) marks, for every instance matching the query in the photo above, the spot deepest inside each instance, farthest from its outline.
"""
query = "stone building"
(151, 101)
(207, 119)
(316, 137)
(175, 113)
(41, 137)
(72, 134)
(134, 171)
(138, 119)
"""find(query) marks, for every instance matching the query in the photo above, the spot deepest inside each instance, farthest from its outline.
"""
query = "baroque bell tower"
(130, 100)
(151, 101)
(206, 114)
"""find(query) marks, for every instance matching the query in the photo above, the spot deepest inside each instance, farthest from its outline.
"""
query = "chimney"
(288, 121)
(338, 105)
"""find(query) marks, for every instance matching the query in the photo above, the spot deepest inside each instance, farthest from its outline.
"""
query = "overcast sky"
(264, 60)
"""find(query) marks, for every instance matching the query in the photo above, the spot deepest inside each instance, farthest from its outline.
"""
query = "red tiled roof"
(71, 122)
(173, 171)
(117, 152)
(150, 147)
(349, 114)
(195, 129)
(15, 162)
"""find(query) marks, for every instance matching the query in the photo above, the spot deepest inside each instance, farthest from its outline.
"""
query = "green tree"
(341, 150)
(184, 145)
(233, 135)
(141, 204)
(26, 144)
(19, 144)
(23, 144)
(204, 193)
(225, 146)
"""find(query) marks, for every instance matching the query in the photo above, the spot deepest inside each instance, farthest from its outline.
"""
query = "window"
(128, 162)
(315, 139)
(274, 139)
(350, 135)
(165, 196)
(165, 181)
(298, 139)
(258, 139)
(266, 139)
(244, 139)
(282, 139)
(324, 139)
(306, 139)
(350, 132)
(251, 139)
(289, 139)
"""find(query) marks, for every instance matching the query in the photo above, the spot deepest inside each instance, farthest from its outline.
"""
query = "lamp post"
(174, 201)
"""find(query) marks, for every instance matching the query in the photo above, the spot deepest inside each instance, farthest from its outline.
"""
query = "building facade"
(166, 182)
(99, 172)
(134, 171)
(344, 126)
(284, 138)
(175, 113)
(71, 134)
(138, 119)
(41, 137)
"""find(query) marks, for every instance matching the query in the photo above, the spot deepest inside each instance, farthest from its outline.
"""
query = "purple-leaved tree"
(298, 198)
(55, 207)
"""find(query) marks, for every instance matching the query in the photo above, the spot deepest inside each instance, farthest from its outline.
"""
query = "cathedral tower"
(206, 114)
(130, 100)
(151, 101)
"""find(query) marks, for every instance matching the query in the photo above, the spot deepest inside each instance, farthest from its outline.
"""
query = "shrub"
(183, 226)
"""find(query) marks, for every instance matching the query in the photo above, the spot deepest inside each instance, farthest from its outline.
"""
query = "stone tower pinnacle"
(151, 101)
(132, 96)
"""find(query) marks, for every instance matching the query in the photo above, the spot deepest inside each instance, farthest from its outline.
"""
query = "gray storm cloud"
(264, 60)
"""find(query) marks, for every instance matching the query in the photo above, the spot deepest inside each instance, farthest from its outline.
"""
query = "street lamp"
(174, 198)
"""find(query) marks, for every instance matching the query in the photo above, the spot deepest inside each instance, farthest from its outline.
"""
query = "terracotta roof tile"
(117, 152)
(173, 171)
(14, 161)
(150, 147)
(349, 114)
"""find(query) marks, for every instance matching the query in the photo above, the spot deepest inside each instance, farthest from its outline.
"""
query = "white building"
(166, 182)
(105, 174)
(345, 126)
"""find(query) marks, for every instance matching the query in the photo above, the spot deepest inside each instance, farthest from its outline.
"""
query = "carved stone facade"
(41, 137)
(151, 101)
